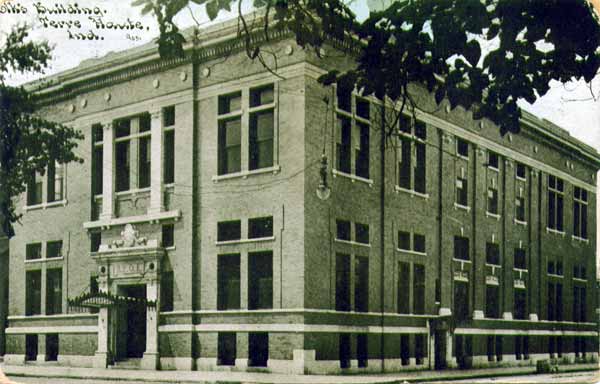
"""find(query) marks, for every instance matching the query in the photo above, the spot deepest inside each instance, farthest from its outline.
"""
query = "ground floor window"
(52, 347)
(258, 349)
(31, 347)
(344, 350)
(226, 349)
(362, 350)
(419, 349)
(404, 349)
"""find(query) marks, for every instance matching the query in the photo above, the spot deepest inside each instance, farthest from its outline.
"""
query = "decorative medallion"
(83, 103)
(107, 96)
(447, 109)
(322, 52)
(289, 50)
(183, 76)
(206, 72)
(72, 108)
(156, 83)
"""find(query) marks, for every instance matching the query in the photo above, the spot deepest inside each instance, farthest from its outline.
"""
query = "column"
(151, 358)
(107, 173)
(102, 354)
(156, 165)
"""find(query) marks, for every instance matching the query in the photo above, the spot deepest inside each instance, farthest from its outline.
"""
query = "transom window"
(493, 160)
(417, 244)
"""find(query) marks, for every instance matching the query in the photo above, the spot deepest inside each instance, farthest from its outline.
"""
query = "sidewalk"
(271, 378)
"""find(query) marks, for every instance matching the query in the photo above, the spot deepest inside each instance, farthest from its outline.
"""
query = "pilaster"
(151, 358)
(156, 165)
(108, 189)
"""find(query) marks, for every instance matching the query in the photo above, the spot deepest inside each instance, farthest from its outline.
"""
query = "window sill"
(580, 280)
(353, 178)
(577, 238)
(411, 252)
(492, 215)
(521, 178)
(519, 222)
(461, 260)
(463, 207)
(34, 261)
(411, 192)
(245, 241)
(133, 192)
(555, 275)
(148, 218)
(170, 248)
(59, 203)
(521, 270)
(350, 242)
(555, 231)
(462, 157)
(495, 266)
(497, 170)
(244, 174)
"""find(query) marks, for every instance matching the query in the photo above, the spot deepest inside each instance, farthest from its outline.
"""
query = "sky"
(570, 106)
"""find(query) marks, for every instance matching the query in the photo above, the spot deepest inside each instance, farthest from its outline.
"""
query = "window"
(361, 233)
(258, 349)
(491, 348)
(230, 103)
(34, 190)
(579, 303)
(362, 350)
(411, 155)
(404, 240)
(229, 230)
(144, 162)
(418, 289)
(520, 304)
(520, 258)
(55, 191)
(499, 348)
(492, 201)
(261, 139)
(166, 291)
(404, 349)
(461, 300)
(580, 205)
(492, 253)
(353, 132)
(492, 301)
(361, 284)
(54, 249)
(462, 148)
(54, 291)
(226, 349)
(230, 146)
(168, 115)
(343, 230)
(555, 203)
(418, 242)
(419, 349)
(520, 209)
(97, 158)
(462, 195)
(521, 171)
(260, 227)
(344, 350)
(342, 282)
(403, 287)
(555, 301)
(33, 251)
(461, 248)
(228, 276)
(31, 347)
(95, 241)
(493, 160)
(122, 154)
(579, 272)
(260, 280)
(555, 267)
(33, 293)
(168, 235)
(51, 347)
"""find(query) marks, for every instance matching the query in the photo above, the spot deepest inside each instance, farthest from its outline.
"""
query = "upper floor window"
(168, 114)
(228, 281)
(260, 280)
(260, 227)
(461, 248)
(97, 158)
(34, 190)
(520, 208)
(361, 233)
(33, 293)
(462, 148)
(54, 180)
(580, 206)
(417, 244)
(132, 138)
(168, 235)
(54, 249)
(520, 258)
(462, 195)
(492, 253)
(54, 291)
(261, 129)
(411, 155)
(353, 135)
(555, 203)
(492, 202)
(229, 230)
(33, 251)
(493, 161)
(521, 171)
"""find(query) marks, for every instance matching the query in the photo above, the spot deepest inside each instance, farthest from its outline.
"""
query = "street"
(573, 377)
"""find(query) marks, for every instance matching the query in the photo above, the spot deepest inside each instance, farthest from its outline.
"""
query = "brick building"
(192, 236)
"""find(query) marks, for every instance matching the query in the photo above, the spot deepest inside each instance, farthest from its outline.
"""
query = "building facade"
(192, 236)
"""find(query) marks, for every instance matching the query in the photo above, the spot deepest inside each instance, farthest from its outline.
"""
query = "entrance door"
(440, 349)
(132, 343)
